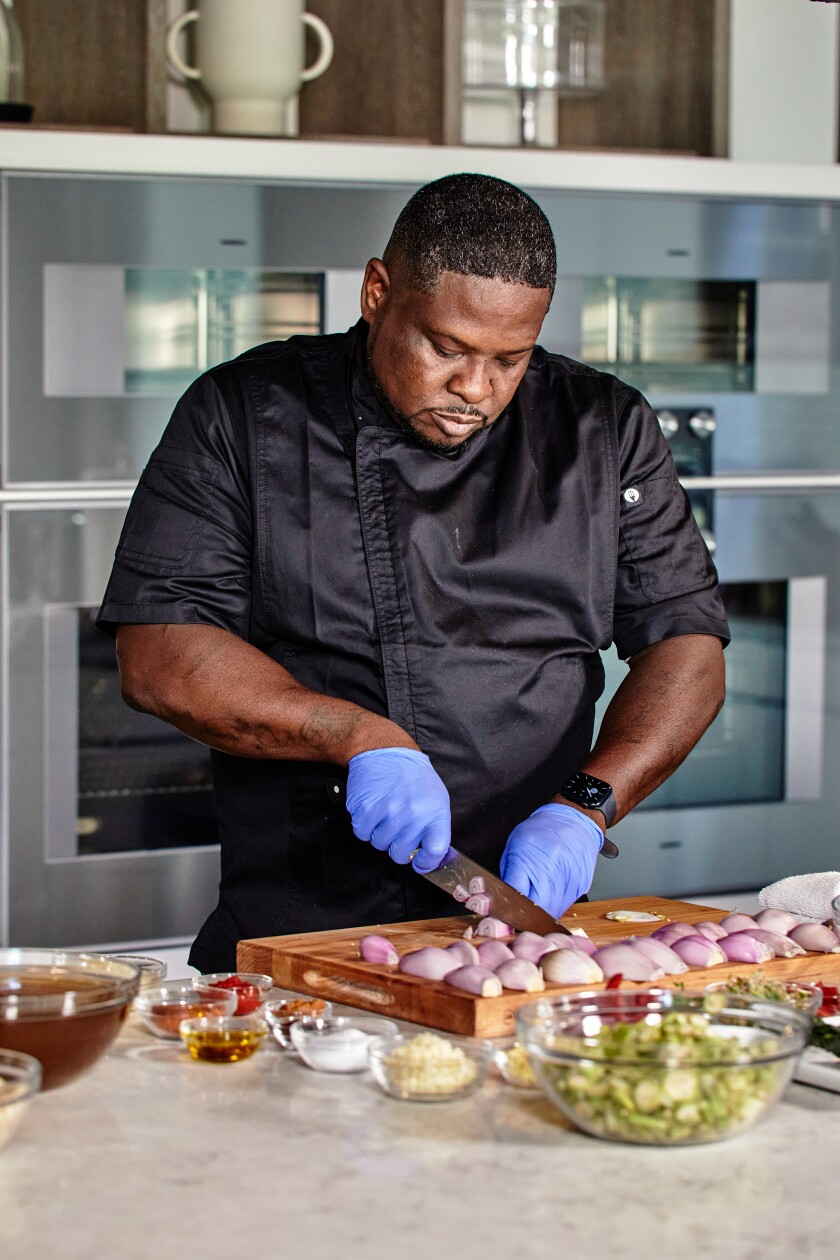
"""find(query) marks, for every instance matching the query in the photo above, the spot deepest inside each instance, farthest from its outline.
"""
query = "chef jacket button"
(632, 495)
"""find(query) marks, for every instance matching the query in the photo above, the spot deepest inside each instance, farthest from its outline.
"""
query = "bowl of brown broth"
(63, 1008)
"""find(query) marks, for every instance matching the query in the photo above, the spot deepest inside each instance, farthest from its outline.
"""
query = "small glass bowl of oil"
(223, 1038)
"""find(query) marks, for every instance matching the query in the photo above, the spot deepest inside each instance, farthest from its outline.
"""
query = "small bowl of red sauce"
(251, 989)
(163, 1007)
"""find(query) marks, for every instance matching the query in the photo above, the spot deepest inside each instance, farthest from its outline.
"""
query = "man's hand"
(550, 857)
(398, 802)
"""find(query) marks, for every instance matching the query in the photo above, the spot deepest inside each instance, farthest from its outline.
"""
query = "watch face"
(586, 790)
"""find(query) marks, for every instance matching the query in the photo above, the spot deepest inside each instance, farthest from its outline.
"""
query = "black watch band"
(590, 793)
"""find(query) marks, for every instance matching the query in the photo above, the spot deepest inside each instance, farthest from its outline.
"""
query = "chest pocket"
(660, 538)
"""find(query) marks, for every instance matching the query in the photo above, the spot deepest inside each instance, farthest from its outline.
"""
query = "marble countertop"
(153, 1155)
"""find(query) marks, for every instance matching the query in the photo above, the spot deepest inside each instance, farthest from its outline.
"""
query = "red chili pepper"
(614, 981)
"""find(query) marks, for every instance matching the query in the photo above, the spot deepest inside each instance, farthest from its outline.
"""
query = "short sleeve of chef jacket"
(185, 552)
(666, 583)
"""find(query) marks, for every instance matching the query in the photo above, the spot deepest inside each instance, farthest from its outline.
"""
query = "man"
(374, 572)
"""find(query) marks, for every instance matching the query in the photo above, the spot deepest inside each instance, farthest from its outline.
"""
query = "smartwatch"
(591, 793)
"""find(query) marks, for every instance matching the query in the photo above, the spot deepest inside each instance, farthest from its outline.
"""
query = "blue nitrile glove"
(550, 857)
(398, 802)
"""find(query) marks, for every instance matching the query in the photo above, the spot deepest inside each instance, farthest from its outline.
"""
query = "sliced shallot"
(479, 903)
(518, 973)
(463, 951)
(570, 966)
(621, 958)
(777, 921)
(378, 949)
(492, 953)
(816, 938)
(699, 951)
(743, 947)
(476, 884)
(737, 922)
(708, 928)
(661, 954)
(460, 893)
(493, 927)
(477, 980)
(781, 945)
(430, 963)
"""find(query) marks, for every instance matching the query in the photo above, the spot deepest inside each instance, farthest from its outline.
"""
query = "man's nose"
(471, 382)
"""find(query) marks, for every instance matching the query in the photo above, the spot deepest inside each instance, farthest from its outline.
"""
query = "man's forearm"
(673, 692)
(226, 693)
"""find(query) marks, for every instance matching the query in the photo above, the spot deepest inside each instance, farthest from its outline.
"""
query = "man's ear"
(375, 289)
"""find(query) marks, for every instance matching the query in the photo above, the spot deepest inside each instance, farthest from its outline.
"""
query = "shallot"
(776, 921)
(581, 944)
(737, 922)
(479, 981)
(743, 947)
(492, 953)
(531, 946)
(816, 937)
(661, 954)
(519, 973)
(671, 932)
(430, 963)
(479, 903)
(493, 927)
(708, 928)
(463, 951)
(378, 949)
(781, 945)
(460, 893)
(699, 951)
(570, 966)
(477, 884)
(621, 958)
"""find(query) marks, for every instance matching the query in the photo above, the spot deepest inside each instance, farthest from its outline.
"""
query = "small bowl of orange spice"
(163, 1007)
(283, 1012)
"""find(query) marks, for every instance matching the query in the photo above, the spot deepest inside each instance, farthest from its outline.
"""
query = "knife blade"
(456, 870)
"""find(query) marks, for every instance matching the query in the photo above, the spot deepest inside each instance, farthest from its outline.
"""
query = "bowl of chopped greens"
(805, 997)
(663, 1068)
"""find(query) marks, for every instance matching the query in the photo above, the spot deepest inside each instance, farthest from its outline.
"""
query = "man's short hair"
(475, 225)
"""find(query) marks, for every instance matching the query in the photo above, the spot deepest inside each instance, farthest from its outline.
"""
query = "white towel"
(807, 895)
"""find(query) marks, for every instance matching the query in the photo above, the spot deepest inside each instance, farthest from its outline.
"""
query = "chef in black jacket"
(374, 572)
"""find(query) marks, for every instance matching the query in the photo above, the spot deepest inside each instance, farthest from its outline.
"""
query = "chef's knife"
(505, 903)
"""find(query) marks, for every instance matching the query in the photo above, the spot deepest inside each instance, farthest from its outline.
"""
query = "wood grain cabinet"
(100, 63)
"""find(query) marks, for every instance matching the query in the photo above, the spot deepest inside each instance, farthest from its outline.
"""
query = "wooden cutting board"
(327, 964)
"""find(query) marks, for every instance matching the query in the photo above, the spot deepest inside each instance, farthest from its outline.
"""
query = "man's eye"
(445, 354)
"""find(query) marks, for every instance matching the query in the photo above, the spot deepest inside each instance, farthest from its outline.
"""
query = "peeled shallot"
(378, 949)
(531, 946)
(479, 981)
(492, 953)
(622, 959)
(777, 921)
(463, 952)
(816, 937)
(570, 966)
(737, 922)
(661, 954)
(429, 963)
(781, 945)
(744, 947)
(699, 951)
(708, 928)
(519, 973)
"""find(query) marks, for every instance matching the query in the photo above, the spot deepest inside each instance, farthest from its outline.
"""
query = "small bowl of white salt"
(339, 1044)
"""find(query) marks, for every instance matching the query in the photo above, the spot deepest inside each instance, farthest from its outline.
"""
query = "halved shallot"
(781, 945)
(670, 932)
(743, 947)
(622, 959)
(493, 927)
(661, 954)
(699, 951)
(519, 973)
(737, 922)
(581, 944)
(776, 921)
(429, 963)
(816, 938)
(531, 946)
(708, 928)
(378, 949)
(570, 966)
(479, 981)
(492, 953)
(463, 951)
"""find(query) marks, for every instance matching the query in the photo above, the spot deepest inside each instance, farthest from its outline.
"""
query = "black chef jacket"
(465, 594)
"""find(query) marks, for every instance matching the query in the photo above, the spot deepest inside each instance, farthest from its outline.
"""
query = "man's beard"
(406, 423)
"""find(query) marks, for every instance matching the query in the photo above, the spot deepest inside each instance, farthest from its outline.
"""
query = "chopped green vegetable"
(826, 1036)
(757, 985)
(666, 1079)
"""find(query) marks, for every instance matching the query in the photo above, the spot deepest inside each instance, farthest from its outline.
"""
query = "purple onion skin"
(777, 921)
(699, 951)
(493, 953)
(479, 981)
(661, 954)
(670, 932)
(570, 966)
(711, 930)
(737, 923)
(378, 949)
(781, 945)
(816, 938)
(621, 958)
(531, 946)
(742, 947)
(521, 975)
(464, 952)
(429, 963)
